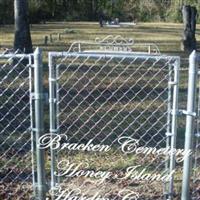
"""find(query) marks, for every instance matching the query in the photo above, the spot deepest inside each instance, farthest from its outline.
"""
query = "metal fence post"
(32, 126)
(169, 107)
(190, 122)
(175, 84)
(53, 115)
(39, 123)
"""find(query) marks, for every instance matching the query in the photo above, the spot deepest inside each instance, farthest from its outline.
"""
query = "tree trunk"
(193, 19)
(189, 20)
(22, 40)
(93, 6)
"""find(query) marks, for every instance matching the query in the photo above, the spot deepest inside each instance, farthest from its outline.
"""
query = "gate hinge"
(169, 134)
(43, 96)
(37, 130)
(175, 112)
(53, 130)
(52, 100)
(173, 83)
(31, 65)
(53, 79)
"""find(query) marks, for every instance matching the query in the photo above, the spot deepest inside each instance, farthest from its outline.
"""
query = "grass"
(166, 35)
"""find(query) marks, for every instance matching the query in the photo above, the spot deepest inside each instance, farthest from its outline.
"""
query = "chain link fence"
(15, 120)
(113, 112)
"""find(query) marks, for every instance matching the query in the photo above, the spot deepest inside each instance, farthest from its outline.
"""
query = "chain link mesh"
(103, 97)
(99, 97)
(15, 137)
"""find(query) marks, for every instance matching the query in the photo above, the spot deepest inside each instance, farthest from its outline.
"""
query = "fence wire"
(15, 137)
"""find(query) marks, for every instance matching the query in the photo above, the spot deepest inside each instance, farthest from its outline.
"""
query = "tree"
(189, 19)
(22, 40)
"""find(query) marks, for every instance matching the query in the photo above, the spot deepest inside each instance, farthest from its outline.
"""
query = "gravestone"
(101, 18)
(59, 36)
(46, 38)
(51, 38)
(189, 21)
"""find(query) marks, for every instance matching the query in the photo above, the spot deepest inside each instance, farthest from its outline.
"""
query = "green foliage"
(191, 2)
(6, 11)
(89, 10)
(174, 15)
(39, 10)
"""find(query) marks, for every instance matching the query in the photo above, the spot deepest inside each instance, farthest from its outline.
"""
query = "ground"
(168, 38)
(166, 35)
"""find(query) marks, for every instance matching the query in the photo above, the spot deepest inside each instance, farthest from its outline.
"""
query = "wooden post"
(189, 20)
(46, 39)
(51, 38)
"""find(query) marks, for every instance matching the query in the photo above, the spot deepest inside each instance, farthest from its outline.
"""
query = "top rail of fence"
(10, 53)
(6, 56)
(96, 54)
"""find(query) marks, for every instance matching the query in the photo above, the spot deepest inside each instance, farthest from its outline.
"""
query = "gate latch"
(185, 112)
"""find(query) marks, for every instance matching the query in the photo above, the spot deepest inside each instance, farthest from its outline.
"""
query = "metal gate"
(115, 111)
